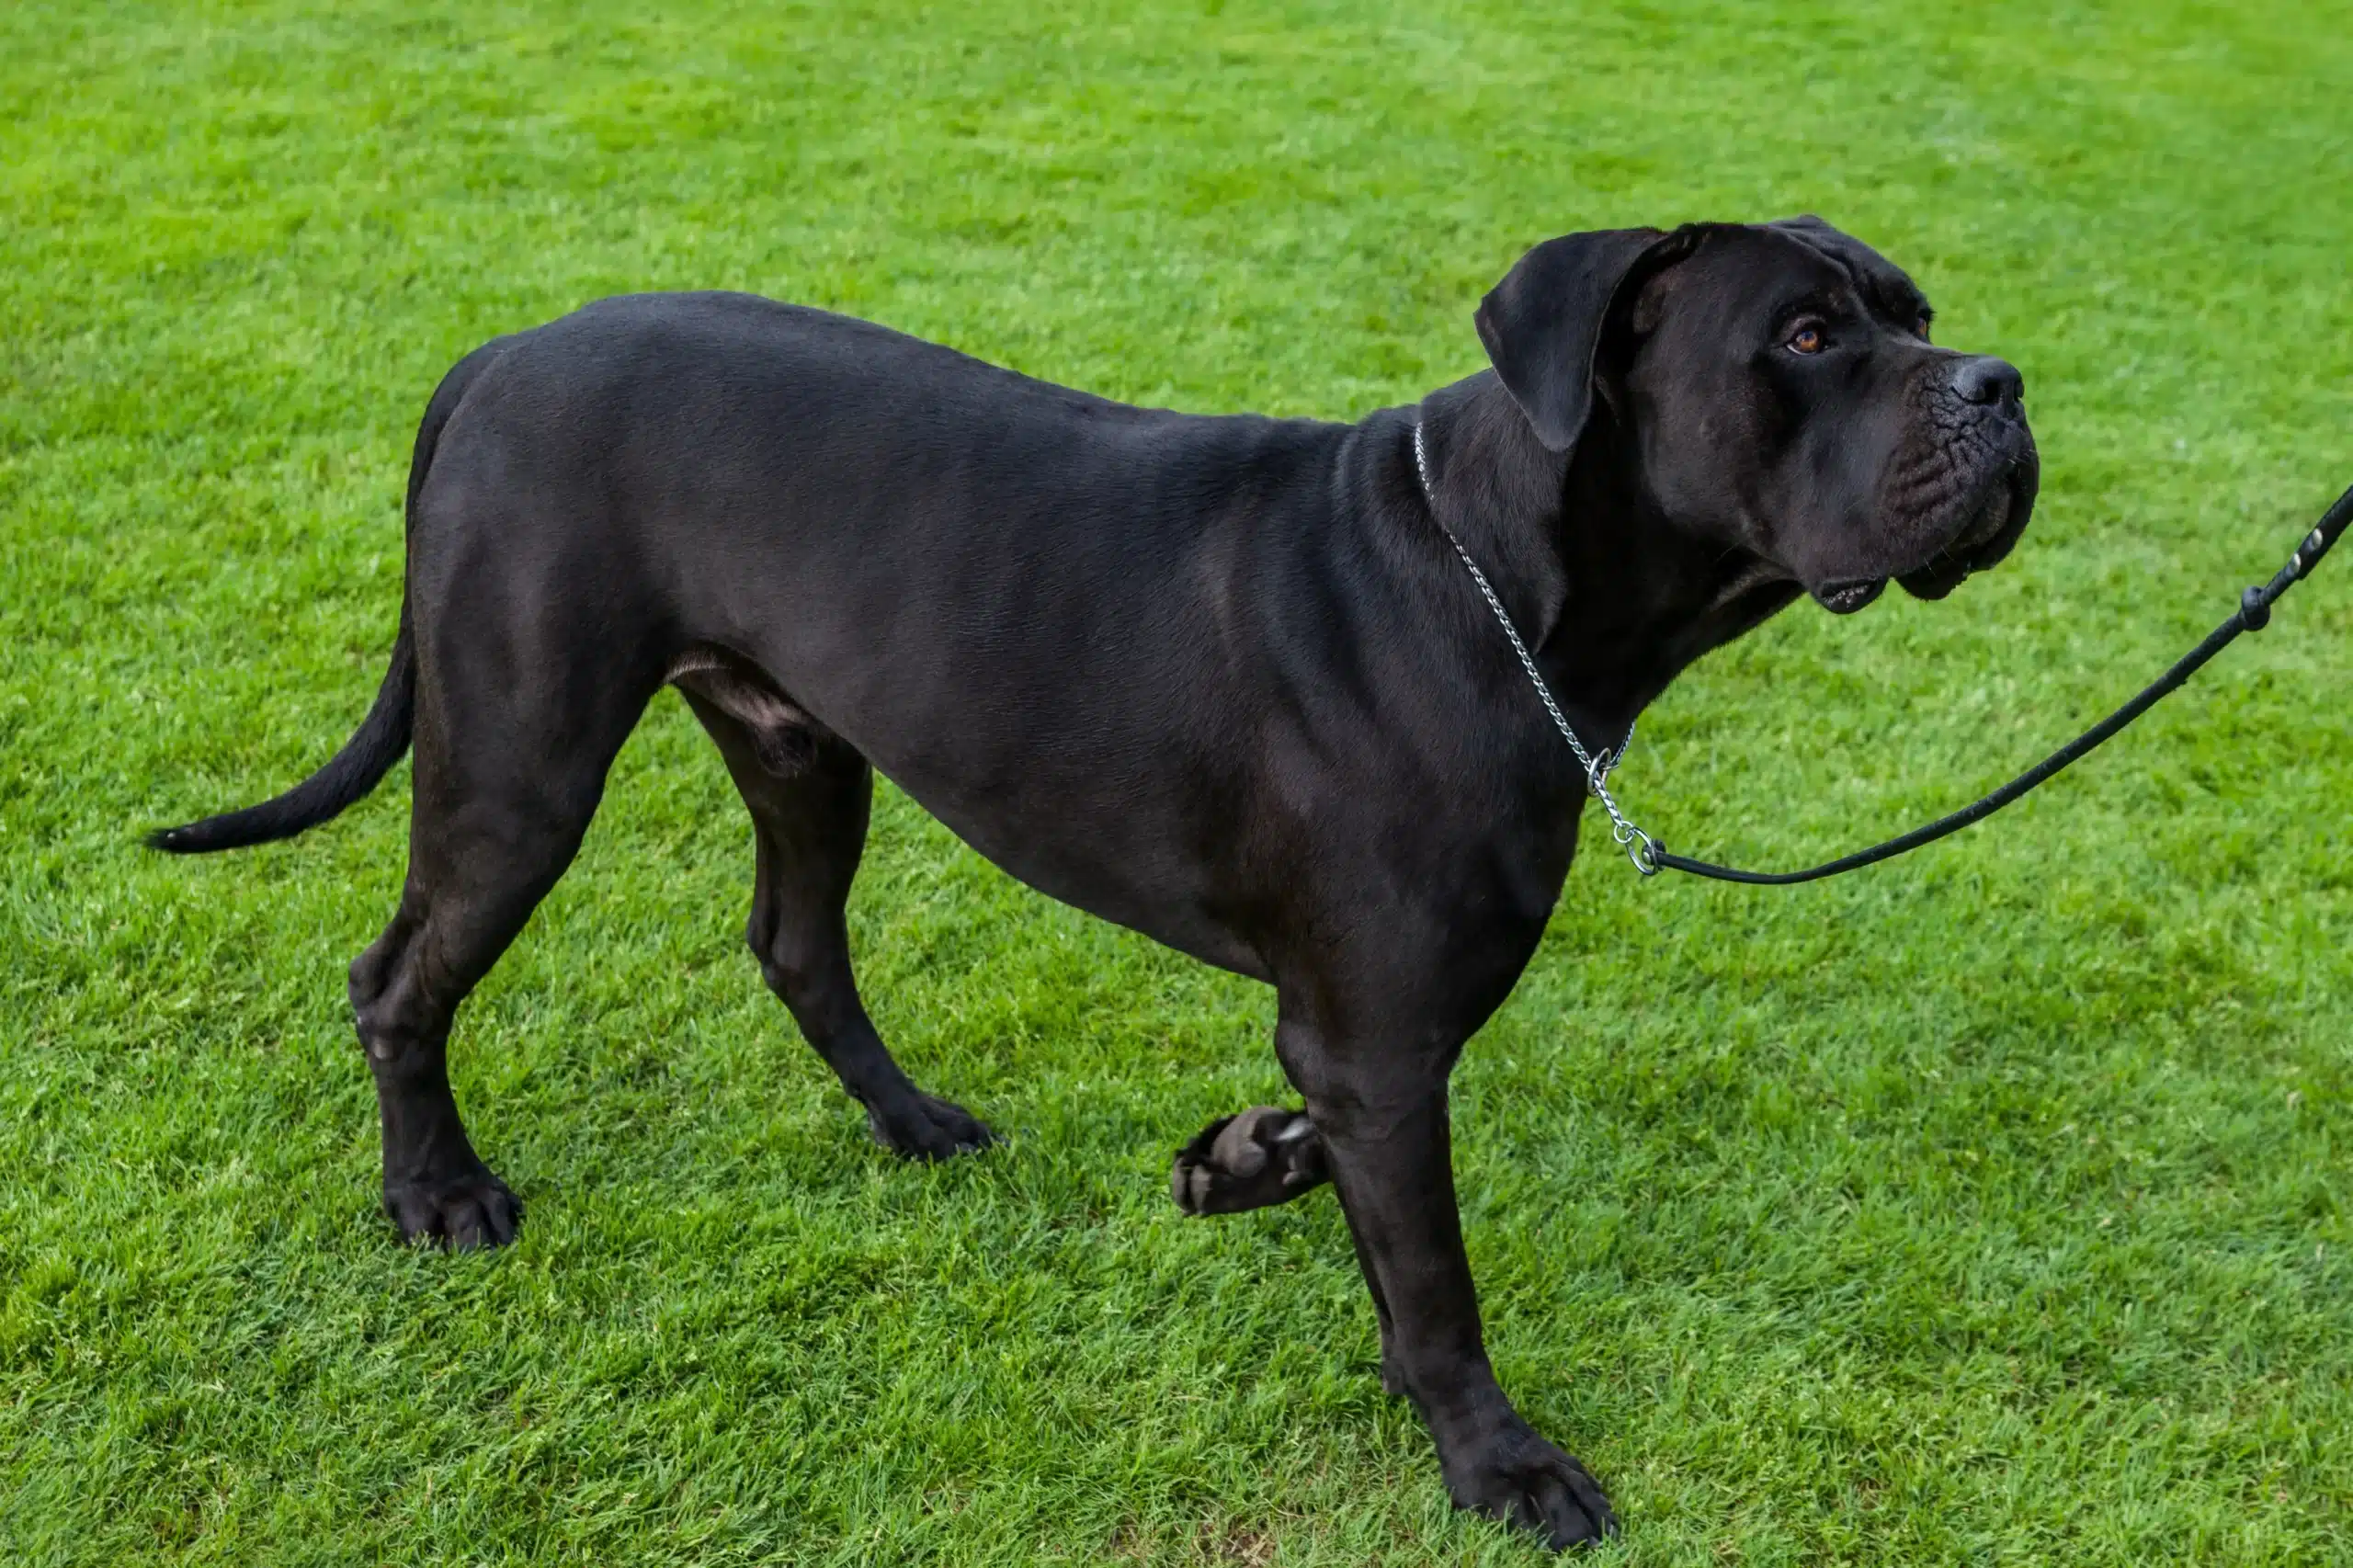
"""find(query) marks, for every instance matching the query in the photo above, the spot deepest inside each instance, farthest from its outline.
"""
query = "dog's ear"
(1543, 323)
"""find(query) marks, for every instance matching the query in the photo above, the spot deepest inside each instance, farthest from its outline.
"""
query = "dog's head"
(1779, 395)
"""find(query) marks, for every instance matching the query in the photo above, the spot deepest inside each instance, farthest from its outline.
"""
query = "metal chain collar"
(1639, 845)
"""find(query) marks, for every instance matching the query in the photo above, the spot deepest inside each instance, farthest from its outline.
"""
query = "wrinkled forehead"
(1884, 289)
(1748, 277)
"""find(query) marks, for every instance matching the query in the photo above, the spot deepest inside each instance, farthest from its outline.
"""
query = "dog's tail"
(383, 736)
(358, 767)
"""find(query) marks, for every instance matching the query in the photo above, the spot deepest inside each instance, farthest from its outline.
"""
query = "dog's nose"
(1985, 380)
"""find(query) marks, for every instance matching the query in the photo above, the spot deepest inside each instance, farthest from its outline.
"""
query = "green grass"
(1986, 1207)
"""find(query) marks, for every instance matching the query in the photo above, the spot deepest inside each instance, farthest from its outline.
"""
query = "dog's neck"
(1614, 600)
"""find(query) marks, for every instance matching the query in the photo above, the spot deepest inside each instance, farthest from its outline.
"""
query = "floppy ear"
(1543, 323)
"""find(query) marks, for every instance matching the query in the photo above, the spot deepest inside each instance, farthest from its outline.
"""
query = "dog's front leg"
(1382, 1119)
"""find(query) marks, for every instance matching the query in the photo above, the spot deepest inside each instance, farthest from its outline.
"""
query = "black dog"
(1223, 680)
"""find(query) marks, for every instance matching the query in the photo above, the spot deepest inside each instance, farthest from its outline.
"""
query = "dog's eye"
(1807, 339)
(1920, 327)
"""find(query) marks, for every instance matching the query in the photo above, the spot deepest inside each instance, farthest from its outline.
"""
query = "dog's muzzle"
(1982, 407)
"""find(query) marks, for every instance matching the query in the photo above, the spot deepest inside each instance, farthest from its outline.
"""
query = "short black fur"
(1221, 680)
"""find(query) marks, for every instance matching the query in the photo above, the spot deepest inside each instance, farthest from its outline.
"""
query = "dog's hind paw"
(1266, 1155)
(928, 1127)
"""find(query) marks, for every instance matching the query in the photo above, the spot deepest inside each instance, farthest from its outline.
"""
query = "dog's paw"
(1517, 1477)
(928, 1128)
(460, 1212)
(1266, 1155)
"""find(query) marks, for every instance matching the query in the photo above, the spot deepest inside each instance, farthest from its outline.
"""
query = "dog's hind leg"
(505, 788)
(809, 795)
(1262, 1157)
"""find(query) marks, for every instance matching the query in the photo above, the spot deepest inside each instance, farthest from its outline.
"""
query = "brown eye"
(1920, 329)
(1806, 340)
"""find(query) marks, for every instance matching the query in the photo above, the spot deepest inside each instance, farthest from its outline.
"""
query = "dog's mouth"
(1984, 540)
(1846, 597)
(1993, 524)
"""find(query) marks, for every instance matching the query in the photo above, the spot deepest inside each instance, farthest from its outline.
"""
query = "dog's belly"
(1086, 831)
(1129, 829)
(1114, 877)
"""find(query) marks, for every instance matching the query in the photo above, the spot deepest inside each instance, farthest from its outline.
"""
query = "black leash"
(2253, 614)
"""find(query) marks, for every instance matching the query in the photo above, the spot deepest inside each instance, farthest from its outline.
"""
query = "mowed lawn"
(1989, 1207)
